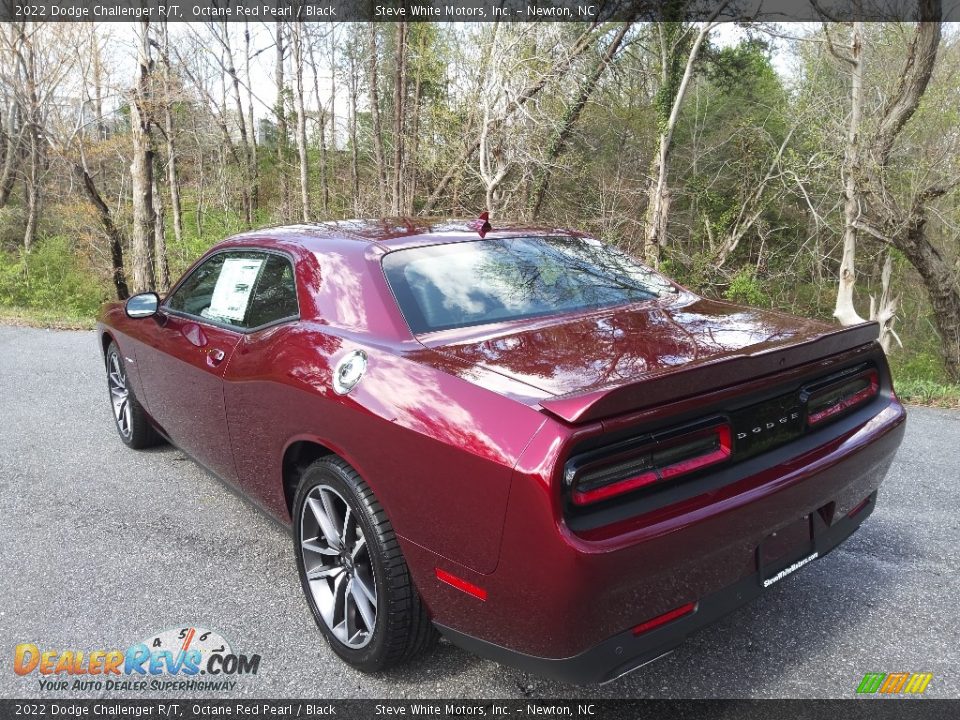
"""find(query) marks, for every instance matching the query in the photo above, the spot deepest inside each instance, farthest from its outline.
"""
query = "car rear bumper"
(566, 606)
(626, 651)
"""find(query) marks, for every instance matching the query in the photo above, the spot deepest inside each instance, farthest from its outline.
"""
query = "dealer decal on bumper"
(790, 569)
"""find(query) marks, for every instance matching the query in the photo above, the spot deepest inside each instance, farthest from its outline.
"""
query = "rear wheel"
(129, 416)
(353, 574)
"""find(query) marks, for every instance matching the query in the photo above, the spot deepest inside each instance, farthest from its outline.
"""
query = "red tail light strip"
(685, 466)
(460, 584)
(665, 618)
(845, 403)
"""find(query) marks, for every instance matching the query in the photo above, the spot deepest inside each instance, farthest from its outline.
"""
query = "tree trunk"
(658, 197)
(845, 310)
(354, 150)
(173, 179)
(255, 190)
(141, 170)
(379, 155)
(281, 112)
(249, 174)
(162, 269)
(12, 136)
(414, 134)
(942, 287)
(114, 234)
(296, 30)
(33, 130)
(321, 132)
(570, 118)
(399, 111)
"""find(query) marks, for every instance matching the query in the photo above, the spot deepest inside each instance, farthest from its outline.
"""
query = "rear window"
(440, 287)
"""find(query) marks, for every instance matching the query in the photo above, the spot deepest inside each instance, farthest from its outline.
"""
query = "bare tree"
(373, 82)
(296, 32)
(141, 167)
(280, 111)
(321, 117)
(658, 202)
(169, 131)
(399, 117)
(535, 86)
(572, 114)
(903, 224)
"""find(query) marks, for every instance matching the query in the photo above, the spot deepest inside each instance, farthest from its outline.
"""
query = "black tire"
(402, 628)
(134, 428)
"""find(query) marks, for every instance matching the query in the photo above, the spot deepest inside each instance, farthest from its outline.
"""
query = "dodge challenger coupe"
(519, 437)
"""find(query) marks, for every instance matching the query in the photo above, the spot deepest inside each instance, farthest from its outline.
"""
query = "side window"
(275, 295)
(194, 295)
(241, 288)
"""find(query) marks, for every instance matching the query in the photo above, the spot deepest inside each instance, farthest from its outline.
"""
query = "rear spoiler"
(694, 379)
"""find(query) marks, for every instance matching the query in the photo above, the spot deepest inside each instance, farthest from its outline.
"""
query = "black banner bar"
(854, 709)
(468, 10)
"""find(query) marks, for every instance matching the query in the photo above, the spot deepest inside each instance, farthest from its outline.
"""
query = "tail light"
(840, 396)
(643, 462)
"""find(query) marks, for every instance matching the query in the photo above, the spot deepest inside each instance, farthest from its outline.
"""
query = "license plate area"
(786, 551)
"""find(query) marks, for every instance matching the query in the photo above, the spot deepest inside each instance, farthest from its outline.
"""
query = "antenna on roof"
(482, 224)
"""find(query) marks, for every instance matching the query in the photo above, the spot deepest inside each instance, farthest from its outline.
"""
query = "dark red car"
(517, 436)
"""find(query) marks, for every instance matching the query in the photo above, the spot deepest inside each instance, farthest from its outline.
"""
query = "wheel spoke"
(367, 610)
(344, 532)
(327, 527)
(358, 547)
(340, 584)
(332, 513)
(364, 589)
(323, 572)
(313, 546)
(121, 380)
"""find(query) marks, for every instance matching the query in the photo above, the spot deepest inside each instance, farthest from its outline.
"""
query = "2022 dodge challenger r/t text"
(519, 437)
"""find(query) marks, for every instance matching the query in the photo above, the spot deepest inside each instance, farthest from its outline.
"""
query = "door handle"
(215, 356)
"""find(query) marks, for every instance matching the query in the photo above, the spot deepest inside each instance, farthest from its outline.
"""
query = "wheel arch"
(299, 454)
(106, 337)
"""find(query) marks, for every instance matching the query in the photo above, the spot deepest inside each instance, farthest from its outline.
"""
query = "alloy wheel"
(119, 395)
(338, 568)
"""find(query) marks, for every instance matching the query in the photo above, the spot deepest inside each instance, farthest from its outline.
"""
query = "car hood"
(585, 358)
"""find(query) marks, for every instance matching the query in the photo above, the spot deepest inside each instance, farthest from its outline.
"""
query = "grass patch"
(917, 391)
(53, 319)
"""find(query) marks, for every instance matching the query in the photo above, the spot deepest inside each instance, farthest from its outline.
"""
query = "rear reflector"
(461, 584)
(842, 396)
(665, 618)
(858, 508)
(671, 457)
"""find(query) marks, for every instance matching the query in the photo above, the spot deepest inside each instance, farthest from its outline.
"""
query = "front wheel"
(353, 574)
(129, 416)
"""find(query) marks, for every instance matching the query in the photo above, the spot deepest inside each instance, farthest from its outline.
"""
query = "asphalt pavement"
(101, 546)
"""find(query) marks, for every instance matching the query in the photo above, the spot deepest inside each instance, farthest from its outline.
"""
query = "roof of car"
(395, 232)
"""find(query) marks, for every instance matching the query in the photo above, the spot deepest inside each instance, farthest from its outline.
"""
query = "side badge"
(349, 371)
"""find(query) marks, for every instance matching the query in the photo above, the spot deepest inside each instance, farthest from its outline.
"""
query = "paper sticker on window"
(232, 292)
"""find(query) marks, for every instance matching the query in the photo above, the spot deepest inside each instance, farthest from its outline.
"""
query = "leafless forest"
(810, 167)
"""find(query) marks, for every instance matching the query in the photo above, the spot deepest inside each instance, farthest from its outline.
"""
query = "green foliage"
(920, 391)
(52, 277)
(745, 288)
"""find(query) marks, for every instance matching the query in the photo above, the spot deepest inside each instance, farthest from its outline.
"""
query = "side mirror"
(143, 305)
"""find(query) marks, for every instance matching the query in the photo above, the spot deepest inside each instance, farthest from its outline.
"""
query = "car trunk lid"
(610, 362)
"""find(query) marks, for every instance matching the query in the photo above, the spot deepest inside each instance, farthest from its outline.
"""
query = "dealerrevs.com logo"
(189, 658)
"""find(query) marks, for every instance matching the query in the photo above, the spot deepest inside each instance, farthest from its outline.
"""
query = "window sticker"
(234, 287)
